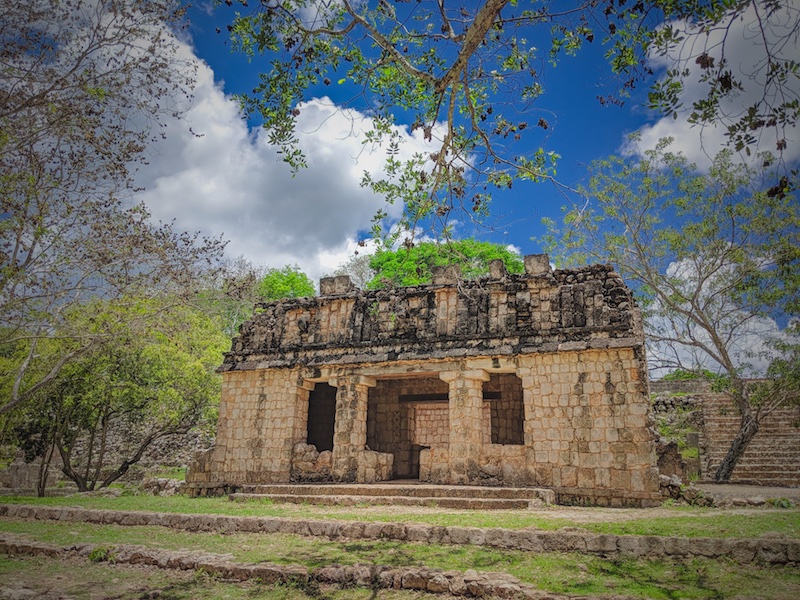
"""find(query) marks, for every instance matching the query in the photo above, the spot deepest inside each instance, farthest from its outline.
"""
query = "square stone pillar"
(350, 426)
(466, 422)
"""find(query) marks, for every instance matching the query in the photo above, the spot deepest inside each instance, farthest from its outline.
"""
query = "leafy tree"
(152, 378)
(470, 78)
(231, 292)
(411, 265)
(715, 258)
(82, 85)
(358, 269)
(288, 282)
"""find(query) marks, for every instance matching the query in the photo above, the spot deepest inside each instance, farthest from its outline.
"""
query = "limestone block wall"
(504, 414)
(589, 425)
(392, 424)
(537, 379)
(432, 425)
(262, 415)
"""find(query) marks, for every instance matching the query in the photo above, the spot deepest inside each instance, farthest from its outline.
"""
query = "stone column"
(466, 422)
(350, 427)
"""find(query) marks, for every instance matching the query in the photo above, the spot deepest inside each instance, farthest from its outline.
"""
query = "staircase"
(772, 458)
(402, 493)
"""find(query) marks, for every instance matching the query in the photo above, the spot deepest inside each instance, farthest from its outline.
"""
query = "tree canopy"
(287, 282)
(82, 87)
(411, 264)
(146, 379)
(470, 79)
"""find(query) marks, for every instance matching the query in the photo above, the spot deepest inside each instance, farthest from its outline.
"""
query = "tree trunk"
(747, 431)
(44, 470)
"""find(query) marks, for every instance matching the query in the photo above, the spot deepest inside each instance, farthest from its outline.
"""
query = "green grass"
(178, 473)
(74, 578)
(682, 521)
(556, 573)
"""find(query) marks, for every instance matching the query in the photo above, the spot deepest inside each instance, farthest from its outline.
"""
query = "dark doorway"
(321, 416)
(507, 408)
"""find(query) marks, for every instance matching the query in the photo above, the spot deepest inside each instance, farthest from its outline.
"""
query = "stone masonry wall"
(549, 364)
(502, 315)
(432, 425)
(262, 415)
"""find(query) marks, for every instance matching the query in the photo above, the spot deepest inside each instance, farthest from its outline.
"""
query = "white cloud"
(744, 55)
(229, 180)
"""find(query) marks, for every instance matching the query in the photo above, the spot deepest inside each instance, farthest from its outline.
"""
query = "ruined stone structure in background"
(773, 456)
(512, 380)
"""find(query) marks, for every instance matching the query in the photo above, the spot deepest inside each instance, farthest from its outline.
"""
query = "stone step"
(764, 482)
(771, 471)
(430, 502)
(775, 456)
(406, 490)
(761, 460)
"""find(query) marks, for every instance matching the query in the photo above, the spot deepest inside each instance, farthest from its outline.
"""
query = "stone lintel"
(450, 376)
(537, 264)
(495, 364)
(567, 346)
(307, 384)
(354, 379)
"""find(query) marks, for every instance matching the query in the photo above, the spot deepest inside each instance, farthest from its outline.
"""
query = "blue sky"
(223, 178)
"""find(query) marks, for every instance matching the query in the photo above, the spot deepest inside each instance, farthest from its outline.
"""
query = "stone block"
(537, 264)
(334, 286)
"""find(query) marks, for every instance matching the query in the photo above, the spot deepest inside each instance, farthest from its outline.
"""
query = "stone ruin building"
(536, 379)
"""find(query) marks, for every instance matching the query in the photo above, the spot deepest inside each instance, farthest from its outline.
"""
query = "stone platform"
(399, 493)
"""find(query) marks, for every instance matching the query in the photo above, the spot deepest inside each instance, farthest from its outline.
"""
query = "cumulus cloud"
(746, 56)
(218, 177)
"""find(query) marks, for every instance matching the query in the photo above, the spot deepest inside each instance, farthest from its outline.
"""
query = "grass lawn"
(680, 521)
(83, 580)
(553, 572)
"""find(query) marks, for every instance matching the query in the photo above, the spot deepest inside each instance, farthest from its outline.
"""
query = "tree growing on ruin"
(715, 259)
(286, 282)
(470, 79)
(411, 264)
(83, 86)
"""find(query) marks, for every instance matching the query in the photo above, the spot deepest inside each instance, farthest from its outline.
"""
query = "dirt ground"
(732, 490)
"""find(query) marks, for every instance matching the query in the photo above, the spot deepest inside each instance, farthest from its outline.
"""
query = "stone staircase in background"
(771, 459)
(403, 493)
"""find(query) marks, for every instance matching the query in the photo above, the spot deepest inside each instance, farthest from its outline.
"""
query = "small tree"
(231, 292)
(147, 380)
(358, 268)
(288, 282)
(411, 264)
(714, 257)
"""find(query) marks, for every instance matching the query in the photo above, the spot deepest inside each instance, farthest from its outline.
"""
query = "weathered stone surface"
(513, 380)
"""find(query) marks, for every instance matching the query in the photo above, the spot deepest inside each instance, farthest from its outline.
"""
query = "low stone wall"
(744, 551)
(373, 466)
(471, 584)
